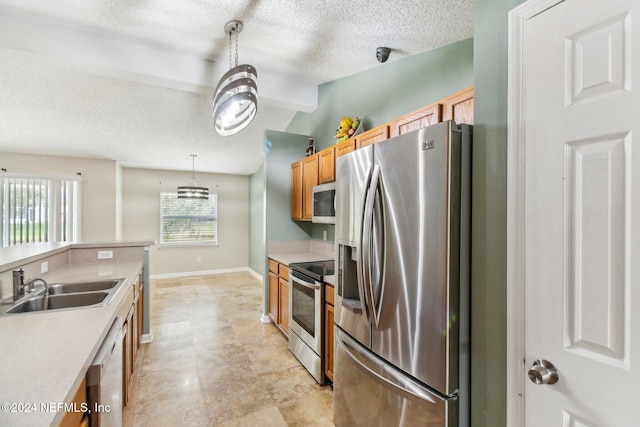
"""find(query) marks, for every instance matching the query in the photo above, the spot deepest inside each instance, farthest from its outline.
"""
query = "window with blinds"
(36, 209)
(186, 221)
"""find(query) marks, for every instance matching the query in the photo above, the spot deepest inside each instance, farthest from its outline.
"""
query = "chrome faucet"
(30, 285)
(20, 288)
(18, 284)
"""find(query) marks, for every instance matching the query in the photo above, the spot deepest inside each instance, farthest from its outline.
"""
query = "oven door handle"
(315, 286)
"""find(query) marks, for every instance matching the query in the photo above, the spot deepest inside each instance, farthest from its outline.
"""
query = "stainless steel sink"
(67, 295)
(36, 303)
(68, 288)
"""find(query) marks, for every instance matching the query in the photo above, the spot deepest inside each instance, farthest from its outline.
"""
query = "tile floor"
(213, 363)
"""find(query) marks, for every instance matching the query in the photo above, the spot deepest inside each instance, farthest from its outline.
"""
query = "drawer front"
(273, 266)
(328, 293)
(283, 271)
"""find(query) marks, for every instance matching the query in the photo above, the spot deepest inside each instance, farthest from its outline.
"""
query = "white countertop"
(15, 256)
(44, 356)
(293, 257)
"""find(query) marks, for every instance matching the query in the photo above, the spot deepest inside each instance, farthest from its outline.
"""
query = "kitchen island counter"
(45, 355)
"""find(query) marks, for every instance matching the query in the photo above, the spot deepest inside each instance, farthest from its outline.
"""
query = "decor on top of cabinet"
(311, 149)
(348, 128)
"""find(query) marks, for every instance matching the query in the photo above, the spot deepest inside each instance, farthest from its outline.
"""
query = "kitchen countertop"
(18, 255)
(293, 257)
(45, 355)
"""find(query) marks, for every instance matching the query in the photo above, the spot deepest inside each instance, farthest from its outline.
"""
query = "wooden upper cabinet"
(309, 180)
(326, 165)
(459, 106)
(345, 147)
(377, 134)
(304, 176)
(296, 190)
(425, 116)
(321, 167)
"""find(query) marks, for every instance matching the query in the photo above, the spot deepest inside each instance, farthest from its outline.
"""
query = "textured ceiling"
(132, 80)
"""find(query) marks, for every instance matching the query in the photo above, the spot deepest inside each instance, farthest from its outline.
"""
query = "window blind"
(186, 221)
(38, 210)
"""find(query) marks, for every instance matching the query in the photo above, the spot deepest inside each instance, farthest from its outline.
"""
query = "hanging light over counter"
(235, 101)
(192, 191)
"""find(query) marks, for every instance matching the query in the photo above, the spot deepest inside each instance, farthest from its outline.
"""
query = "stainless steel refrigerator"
(402, 300)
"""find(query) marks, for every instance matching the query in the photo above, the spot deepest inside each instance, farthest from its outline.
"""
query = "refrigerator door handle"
(363, 279)
(367, 232)
(377, 250)
(384, 372)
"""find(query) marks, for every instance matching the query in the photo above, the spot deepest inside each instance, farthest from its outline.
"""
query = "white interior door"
(581, 238)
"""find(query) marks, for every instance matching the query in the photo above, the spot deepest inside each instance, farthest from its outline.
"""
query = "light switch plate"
(44, 267)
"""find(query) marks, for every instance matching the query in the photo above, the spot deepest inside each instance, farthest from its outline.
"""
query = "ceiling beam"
(112, 56)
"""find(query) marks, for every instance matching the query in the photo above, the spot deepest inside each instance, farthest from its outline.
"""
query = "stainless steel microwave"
(324, 203)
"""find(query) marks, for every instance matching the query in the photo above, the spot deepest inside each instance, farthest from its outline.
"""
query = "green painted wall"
(270, 206)
(489, 234)
(257, 254)
(286, 148)
(388, 91)
(384, 93)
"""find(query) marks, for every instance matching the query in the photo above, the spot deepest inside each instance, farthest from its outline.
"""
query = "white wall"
(141, 220)
(99, 216)
(121, 203)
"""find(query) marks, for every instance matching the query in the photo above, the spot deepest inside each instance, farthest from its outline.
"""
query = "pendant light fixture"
(192, 191)
(235, 101)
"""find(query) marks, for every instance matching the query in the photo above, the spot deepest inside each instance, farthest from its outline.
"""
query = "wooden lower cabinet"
(283, 301)
(273, 297)
(133, 314)
(135, 338)
(328, 332)
(278, 295)
(140, 309)
(129, 362)
(76, 418)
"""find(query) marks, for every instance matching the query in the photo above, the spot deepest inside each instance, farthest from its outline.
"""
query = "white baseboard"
(206, 273)
(265, 318)
(146, 338)
(255, 274)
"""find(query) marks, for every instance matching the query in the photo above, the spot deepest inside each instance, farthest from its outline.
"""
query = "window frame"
(187, 243)
(63, 193)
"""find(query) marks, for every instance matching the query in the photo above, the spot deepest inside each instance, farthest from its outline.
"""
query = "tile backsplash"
(291, 246)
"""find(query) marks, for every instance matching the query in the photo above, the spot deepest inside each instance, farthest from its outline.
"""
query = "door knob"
(543, 372)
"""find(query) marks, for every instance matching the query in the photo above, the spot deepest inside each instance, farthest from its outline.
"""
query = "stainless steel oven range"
(306, 306)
